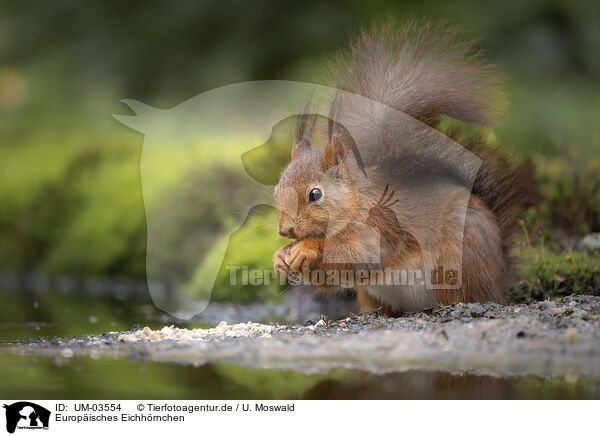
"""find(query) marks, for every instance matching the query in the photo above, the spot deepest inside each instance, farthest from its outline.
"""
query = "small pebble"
(571, 377)
(571, 335)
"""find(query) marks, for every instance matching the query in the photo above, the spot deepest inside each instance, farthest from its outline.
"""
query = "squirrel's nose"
(287, 232)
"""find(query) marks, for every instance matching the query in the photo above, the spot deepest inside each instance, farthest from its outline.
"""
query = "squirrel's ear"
(299, 147)
(334, 152)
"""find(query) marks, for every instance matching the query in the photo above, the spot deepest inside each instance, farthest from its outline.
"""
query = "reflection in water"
(28, 314)
(414, 385)
(103, 378)
(444, 386)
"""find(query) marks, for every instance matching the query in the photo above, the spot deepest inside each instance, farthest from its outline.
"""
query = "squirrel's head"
(318, 193)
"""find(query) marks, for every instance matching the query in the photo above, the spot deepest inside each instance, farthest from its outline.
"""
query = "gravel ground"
(548, 338)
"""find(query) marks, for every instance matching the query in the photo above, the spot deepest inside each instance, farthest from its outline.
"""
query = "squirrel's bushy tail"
(420, 69)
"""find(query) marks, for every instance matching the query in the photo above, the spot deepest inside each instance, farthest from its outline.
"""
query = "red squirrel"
(327, 196)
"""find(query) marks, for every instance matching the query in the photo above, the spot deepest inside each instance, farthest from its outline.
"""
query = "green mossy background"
(70, 191)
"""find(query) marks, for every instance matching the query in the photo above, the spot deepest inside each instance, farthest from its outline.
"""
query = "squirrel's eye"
(314, 195)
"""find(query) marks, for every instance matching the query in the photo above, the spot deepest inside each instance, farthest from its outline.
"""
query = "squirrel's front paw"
(280, 263)
(304, 254)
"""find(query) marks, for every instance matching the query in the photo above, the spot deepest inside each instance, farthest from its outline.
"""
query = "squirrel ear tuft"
(334, 152)
(300, 146)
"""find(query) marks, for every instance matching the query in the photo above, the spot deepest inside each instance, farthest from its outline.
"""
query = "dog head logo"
(197, 187)
(26, 415)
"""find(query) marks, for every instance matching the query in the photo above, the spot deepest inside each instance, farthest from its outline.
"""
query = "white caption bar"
(148, 417)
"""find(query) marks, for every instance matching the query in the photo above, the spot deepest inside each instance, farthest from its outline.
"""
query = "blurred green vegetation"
(70, 193)
(545, 273)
